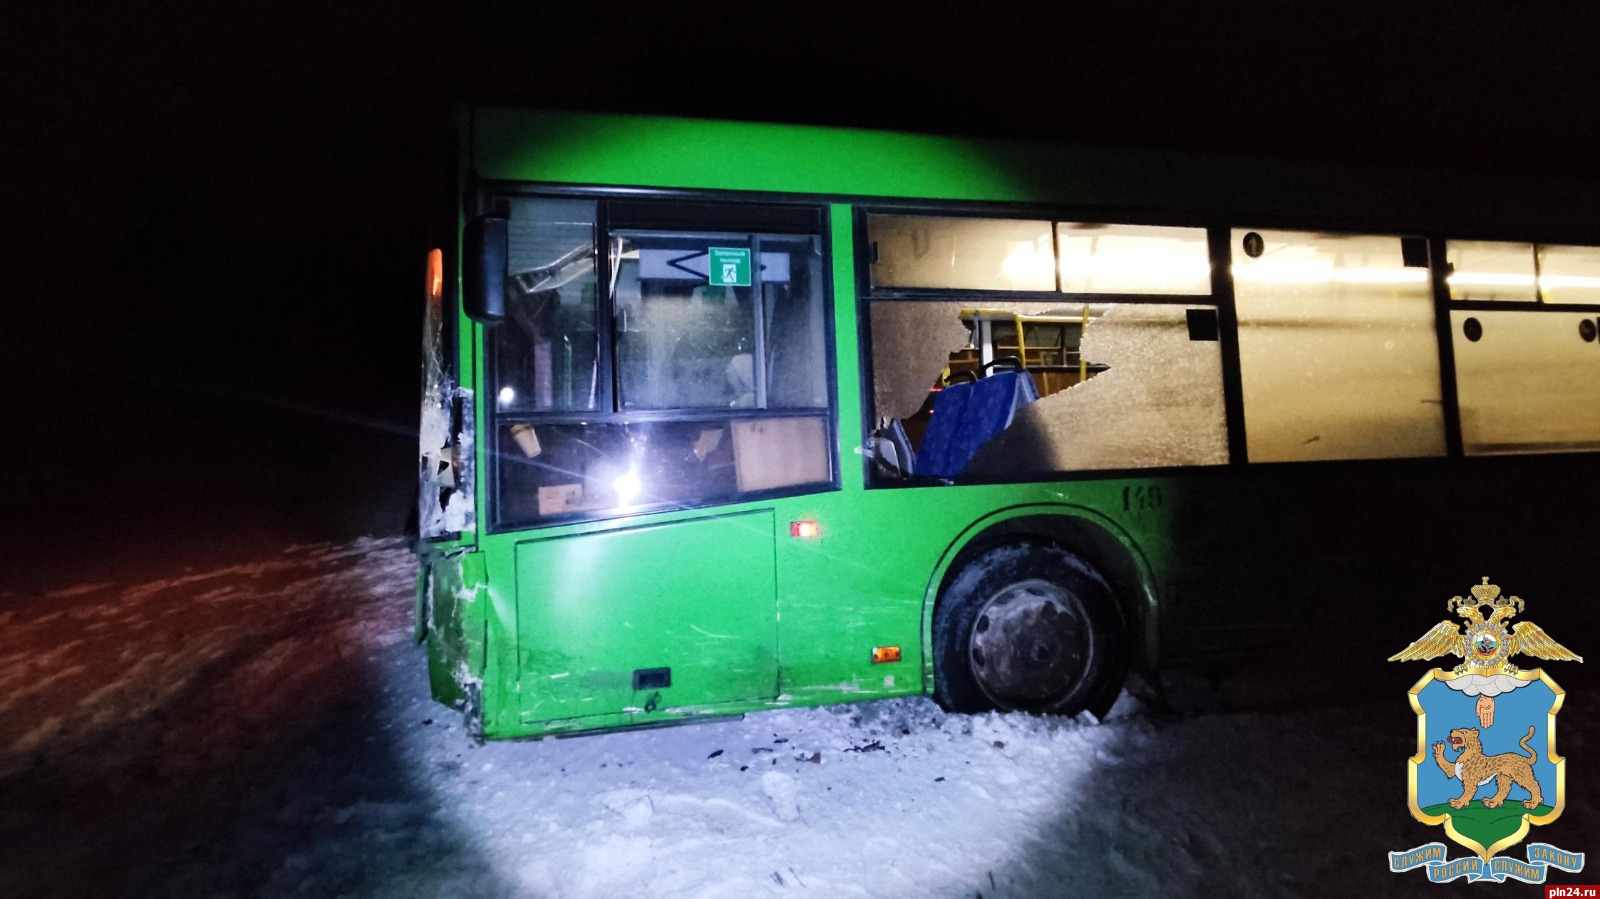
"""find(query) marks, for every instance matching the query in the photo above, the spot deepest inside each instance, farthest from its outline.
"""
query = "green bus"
(721, 417)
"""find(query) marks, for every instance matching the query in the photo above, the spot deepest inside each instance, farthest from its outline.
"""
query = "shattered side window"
(1033, 388)
(1151, 397)
(912, 343)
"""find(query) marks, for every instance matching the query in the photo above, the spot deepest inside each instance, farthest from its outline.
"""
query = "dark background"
(218, 221)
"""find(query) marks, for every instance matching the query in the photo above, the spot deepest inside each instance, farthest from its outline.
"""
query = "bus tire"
(1028, 626)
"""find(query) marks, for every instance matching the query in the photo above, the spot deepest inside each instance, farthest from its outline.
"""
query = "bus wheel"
(1028, 627)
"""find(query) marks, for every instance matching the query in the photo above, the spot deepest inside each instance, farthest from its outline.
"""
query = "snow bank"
(264, 729)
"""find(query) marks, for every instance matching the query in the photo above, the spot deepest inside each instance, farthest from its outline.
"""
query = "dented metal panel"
(695, 597)
(454, 586)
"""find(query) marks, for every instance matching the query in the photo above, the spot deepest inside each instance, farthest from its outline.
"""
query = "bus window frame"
(1218, 224)
(484, 192)
(1220, 298)
(1444, 304)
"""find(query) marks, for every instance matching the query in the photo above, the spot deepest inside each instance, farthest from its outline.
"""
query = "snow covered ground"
(264, 729)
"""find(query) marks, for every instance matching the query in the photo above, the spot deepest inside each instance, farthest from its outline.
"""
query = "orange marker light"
(805, 530)
(881, 654)
(435, 285)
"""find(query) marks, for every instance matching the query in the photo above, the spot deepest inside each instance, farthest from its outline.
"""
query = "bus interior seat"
(965, 416)
(892, 451)
(993, 365)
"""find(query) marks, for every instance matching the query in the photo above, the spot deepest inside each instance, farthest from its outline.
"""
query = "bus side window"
(1120, 385)
(1338, 352)
(1144, 390)
(1525, 380)
(1131, 384)
(1525, 373)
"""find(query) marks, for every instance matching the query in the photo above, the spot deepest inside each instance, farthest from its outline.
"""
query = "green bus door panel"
(686, 612)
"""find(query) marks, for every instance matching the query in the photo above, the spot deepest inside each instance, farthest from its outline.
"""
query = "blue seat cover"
(965, 416)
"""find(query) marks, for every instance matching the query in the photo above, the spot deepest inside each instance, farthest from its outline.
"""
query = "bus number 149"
(1138, 499)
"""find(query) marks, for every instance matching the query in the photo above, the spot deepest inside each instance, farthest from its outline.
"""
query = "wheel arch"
(1088, 534)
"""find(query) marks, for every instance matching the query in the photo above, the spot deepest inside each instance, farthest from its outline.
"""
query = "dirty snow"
(264, 729)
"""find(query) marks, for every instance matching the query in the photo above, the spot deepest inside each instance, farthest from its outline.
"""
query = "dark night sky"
(221, 226)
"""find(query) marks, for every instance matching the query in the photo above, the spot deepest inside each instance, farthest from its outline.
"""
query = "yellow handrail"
(1022, 343)
(1083, 327)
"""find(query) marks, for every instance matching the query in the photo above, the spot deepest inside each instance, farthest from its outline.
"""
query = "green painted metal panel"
(657, 151)
(855, 586)
(695, 597)
(868, 580)
(577, 148)
(846, 345)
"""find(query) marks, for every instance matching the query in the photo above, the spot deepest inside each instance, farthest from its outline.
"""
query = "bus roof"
(580, 148)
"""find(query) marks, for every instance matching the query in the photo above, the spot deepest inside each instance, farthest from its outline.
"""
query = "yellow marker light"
(805, 530)
(435, 276)
(881, 654)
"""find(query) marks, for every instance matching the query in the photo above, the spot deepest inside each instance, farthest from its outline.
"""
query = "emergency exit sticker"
(729, 267)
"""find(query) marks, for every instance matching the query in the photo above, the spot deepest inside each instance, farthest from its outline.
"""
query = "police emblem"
(1486, 765)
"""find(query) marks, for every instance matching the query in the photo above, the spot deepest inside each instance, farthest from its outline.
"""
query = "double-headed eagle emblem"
(1487, 643)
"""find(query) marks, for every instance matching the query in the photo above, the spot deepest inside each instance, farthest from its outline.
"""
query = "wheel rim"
(1030, 646)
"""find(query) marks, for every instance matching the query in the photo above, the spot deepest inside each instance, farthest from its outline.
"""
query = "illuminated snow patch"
(886, 798)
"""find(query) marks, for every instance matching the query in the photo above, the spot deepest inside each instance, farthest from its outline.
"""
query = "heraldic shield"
(1486, 785)
(1486, 766)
